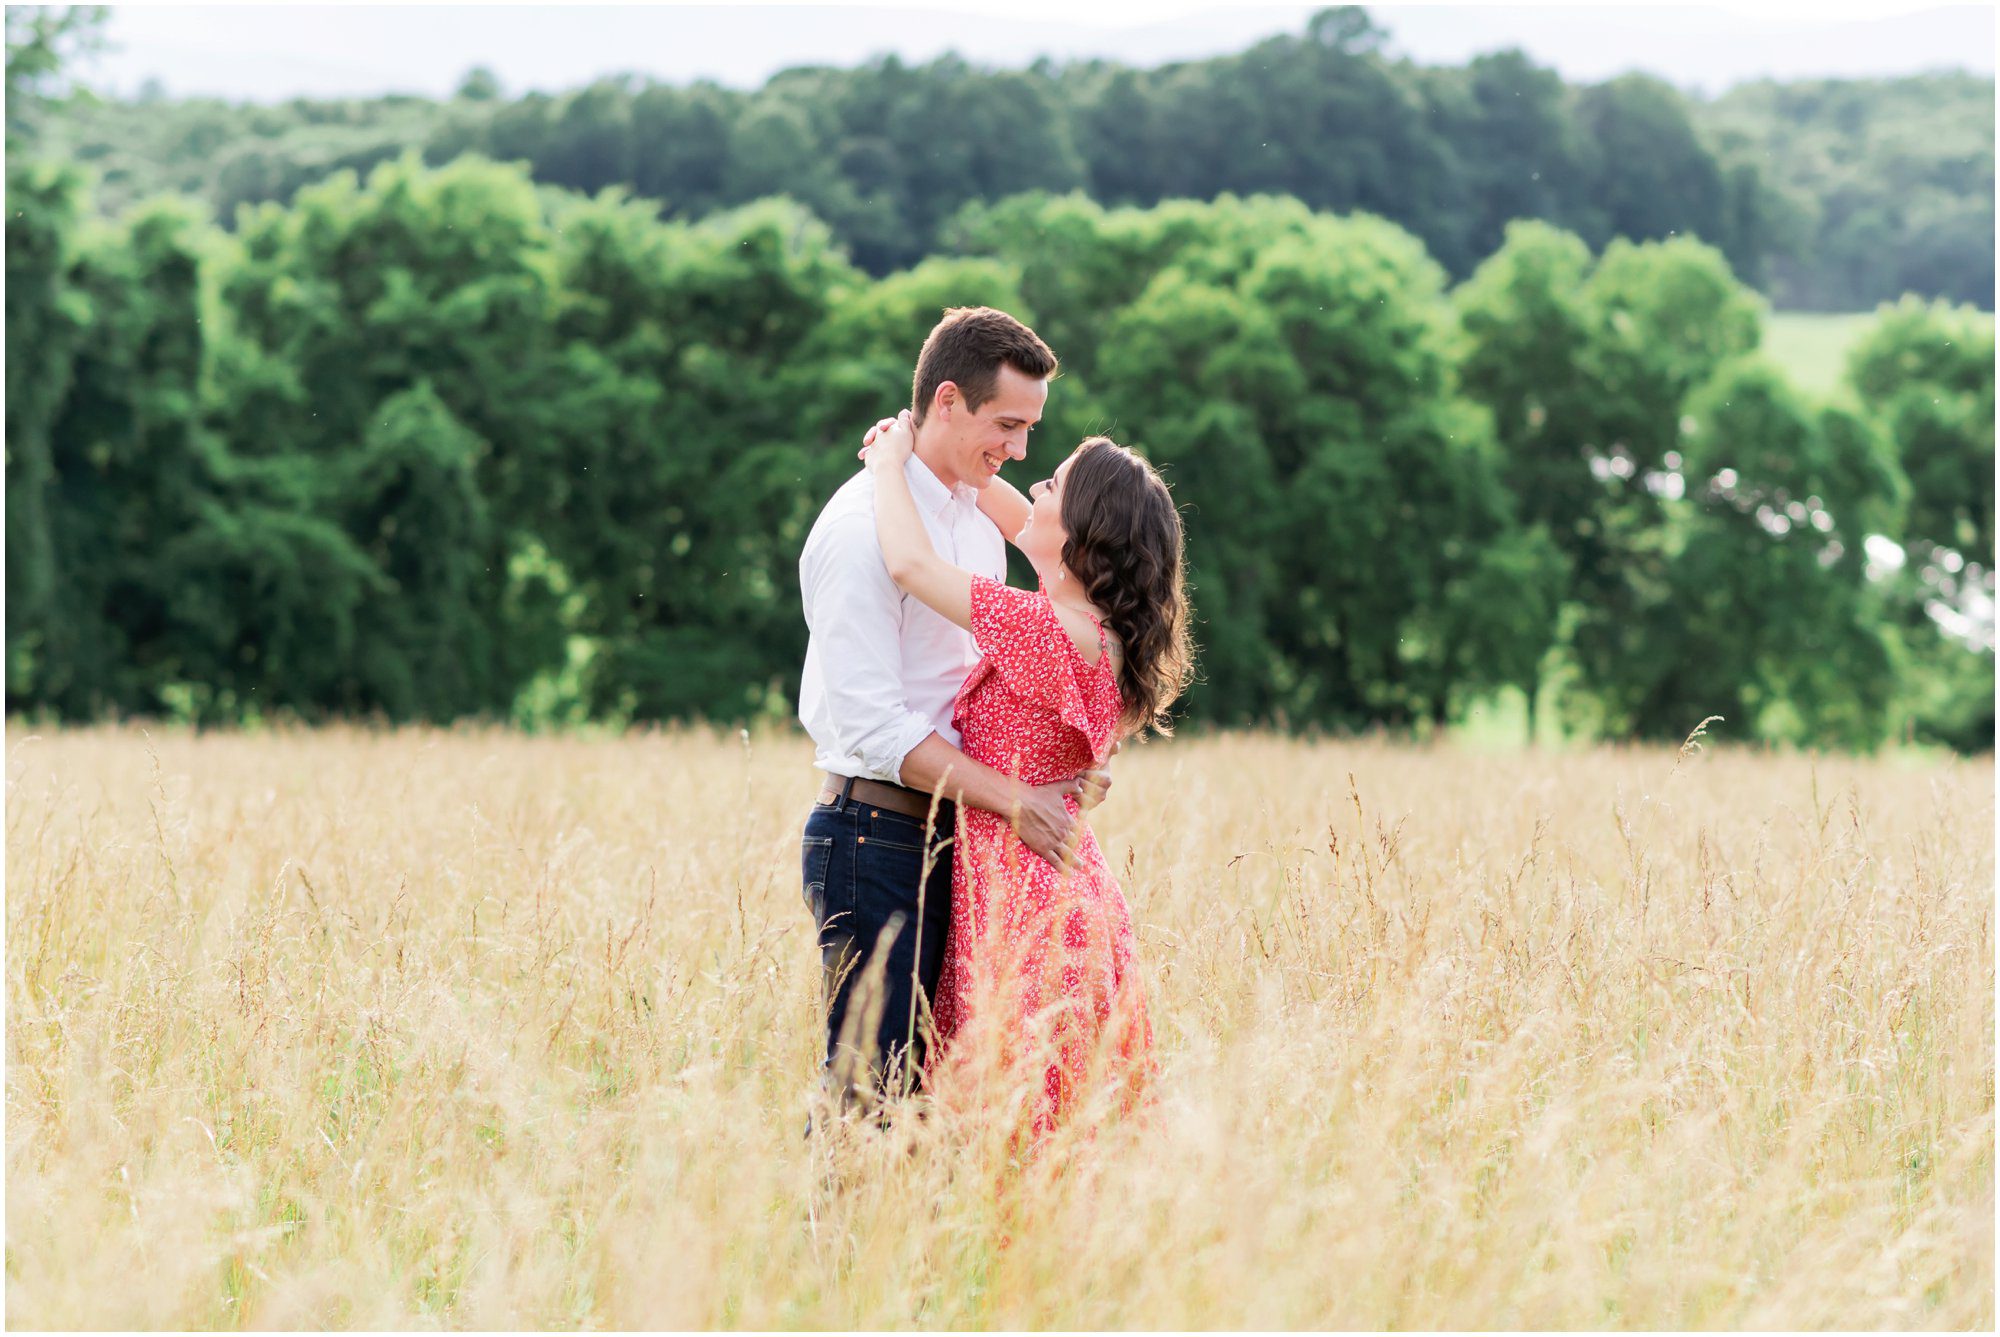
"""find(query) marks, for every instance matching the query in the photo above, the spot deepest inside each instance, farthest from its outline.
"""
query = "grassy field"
(1812, 348)
(463, 1029)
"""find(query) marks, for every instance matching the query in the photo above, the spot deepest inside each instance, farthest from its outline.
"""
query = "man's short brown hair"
(968, 348)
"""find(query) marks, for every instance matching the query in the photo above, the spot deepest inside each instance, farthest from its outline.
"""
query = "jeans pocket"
(815, 855)
(895, 831)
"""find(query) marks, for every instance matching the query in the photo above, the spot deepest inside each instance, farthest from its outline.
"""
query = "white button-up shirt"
(882, 668)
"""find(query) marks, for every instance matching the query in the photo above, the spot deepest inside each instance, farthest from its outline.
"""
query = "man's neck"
(930, 450)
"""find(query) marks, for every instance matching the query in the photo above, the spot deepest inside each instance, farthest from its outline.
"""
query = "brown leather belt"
(909, 802)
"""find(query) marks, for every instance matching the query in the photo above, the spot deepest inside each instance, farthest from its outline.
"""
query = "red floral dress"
(1039, 968)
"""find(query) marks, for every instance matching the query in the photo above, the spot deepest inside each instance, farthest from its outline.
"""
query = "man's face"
(978, 441)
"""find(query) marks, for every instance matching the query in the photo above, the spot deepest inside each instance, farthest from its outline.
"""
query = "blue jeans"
(882, 916)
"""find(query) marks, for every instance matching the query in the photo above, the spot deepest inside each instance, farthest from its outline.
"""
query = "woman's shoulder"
(1085, 632)
(1036, 615)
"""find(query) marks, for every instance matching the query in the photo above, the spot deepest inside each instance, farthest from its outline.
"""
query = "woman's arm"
(906, 549)
(1001, 502)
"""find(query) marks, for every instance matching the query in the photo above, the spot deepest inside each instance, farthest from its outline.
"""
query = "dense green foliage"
(1843, 194)
(1712, 522)
(1925, 373)
(1878, 186)
(451, 444)
(458, 442)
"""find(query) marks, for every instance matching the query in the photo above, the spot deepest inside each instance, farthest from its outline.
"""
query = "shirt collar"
(930, 493)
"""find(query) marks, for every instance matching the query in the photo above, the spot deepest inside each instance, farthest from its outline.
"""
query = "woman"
(1038, 969)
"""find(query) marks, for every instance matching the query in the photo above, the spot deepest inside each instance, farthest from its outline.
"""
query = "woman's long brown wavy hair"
(1125, 548)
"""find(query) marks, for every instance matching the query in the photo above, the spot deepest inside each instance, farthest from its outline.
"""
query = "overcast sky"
(268, 52)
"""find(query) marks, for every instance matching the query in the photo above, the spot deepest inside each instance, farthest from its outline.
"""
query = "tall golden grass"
(471, 1029)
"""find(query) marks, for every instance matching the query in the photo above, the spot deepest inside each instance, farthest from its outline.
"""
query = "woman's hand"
(890, 442)
(868, 438)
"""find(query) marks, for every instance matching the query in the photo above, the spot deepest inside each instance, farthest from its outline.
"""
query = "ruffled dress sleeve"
(1028, 648)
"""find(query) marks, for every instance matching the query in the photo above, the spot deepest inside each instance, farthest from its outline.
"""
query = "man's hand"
(1044, 824)
(1096, 784)
(1036, 812)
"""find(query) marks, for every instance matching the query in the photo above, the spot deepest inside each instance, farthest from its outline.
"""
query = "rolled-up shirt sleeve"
(854, 612)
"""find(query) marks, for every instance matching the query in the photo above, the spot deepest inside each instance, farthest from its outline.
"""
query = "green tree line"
(449, 443)
(1878, 186)
(1836, 195)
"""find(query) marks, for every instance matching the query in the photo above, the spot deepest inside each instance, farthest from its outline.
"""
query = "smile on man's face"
(998, 430)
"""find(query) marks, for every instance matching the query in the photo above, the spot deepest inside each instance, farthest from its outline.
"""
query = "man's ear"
(946, 398)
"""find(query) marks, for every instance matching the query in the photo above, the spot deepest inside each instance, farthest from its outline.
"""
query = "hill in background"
(1827, 194)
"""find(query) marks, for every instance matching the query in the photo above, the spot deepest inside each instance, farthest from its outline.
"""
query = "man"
(880, 675)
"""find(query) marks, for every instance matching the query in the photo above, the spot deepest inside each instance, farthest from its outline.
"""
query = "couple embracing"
(963, 727)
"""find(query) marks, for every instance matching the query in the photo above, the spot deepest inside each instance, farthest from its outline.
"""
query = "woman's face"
(1042, 538)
